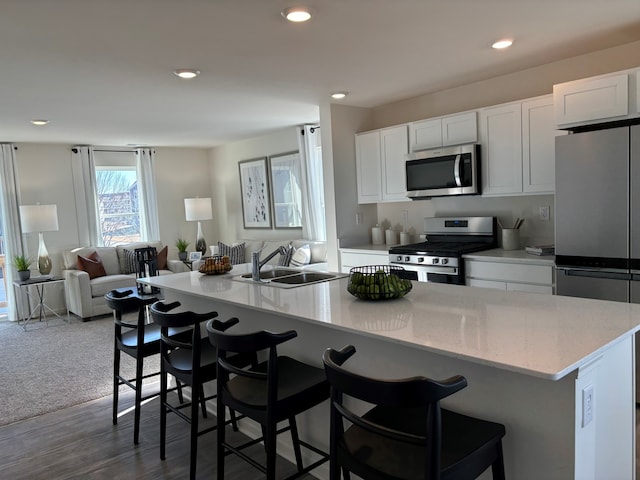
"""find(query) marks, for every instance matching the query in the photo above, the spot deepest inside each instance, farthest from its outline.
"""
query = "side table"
(34, 290)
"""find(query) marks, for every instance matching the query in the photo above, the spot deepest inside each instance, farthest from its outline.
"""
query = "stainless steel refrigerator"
(598, 217)
(598, 214)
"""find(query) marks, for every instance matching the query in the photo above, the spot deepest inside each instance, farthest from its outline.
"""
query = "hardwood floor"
(81, 442)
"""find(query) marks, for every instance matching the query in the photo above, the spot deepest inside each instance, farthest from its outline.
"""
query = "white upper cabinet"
(518, 147)
(501, 140)
(394, 145)
(443, 131)
(459, 129)
(425, 134)
(538, 145)
(368, 167)
(591, 100)
(380, 158)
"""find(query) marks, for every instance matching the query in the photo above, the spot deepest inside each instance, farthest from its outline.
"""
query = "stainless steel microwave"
(443, 171)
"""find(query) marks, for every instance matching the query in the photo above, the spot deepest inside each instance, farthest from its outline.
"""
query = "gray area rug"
(49, 368)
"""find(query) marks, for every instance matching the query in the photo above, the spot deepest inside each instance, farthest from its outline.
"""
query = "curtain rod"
(311, 129)
(75, 150)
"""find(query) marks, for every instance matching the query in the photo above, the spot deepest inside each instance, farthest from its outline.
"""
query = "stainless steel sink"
(274, 273)
(304, 277)
(287, 278)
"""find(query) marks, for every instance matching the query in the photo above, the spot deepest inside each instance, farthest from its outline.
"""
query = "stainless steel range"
(439, 258)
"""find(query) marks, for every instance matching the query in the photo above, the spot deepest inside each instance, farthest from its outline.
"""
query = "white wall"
(225, 184)
(182, 173)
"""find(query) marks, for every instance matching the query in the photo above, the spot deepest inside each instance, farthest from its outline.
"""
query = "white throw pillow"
(302, 256)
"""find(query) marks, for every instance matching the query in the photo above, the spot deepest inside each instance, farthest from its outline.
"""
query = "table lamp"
(40, 218)
(197, 209)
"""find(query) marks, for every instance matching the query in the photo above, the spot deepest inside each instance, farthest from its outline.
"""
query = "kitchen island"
(527, 358)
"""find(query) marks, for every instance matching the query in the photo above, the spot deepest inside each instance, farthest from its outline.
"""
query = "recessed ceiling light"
(504, 43)
(339, 95)
(39, 122)
(296, 14)
(187, 72)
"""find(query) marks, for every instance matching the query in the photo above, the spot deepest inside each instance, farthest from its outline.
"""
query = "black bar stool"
(406, 435)
(137, 340)
(270, 392)
(192, 362)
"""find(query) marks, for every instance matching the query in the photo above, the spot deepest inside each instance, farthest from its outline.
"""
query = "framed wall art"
(286, 190)
(254, 191)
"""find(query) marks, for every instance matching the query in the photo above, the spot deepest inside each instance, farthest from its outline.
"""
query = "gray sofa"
(85, 296)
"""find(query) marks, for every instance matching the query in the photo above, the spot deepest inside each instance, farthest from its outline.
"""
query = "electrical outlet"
(359, 218)
(405, 216)
(587, 405)
(543, 213)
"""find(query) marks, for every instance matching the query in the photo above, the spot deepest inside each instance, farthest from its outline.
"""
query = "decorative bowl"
(378, 282)
(215, 265)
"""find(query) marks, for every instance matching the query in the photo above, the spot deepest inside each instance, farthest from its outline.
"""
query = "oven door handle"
(456, 170)
(428, 269)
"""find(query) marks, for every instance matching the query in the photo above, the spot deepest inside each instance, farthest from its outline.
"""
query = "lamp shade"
(197, 209)
(39, 218)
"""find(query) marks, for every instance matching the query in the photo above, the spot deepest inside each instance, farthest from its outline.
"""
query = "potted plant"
(22, 264)
(182, 245)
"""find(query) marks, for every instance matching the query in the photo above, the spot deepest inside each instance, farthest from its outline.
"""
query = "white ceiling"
(101, 70)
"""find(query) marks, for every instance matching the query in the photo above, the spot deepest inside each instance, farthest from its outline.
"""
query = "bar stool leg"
(270, 442)
(116, 383)
(163, 412)
(195, 393)
(295, 440)
(220, 409)
(136, 424)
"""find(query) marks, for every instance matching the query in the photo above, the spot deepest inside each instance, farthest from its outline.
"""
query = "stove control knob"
(399, 258)
(435, 261)
(445, 261)
(407, 259)
(420, 259)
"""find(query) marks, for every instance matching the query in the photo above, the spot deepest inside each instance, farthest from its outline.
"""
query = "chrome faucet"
(256, 264)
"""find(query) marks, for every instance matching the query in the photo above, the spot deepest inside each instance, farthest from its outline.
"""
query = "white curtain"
(148, 200)
(313, 218)
(84, 185)
(9, 203)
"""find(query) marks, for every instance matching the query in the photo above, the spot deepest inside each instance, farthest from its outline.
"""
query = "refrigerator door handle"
(603, 273)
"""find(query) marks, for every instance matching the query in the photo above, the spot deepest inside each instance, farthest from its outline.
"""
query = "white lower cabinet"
(350, 258)
(521, 277)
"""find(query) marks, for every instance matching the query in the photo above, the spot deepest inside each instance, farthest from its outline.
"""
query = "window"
(117, 194)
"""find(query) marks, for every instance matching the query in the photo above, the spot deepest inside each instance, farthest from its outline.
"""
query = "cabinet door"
(351, 259)
(368, 167)
(591, 99)
(459, 129)
(501, 139)
(538, 145)
(474, 282)
(425, 134)
(395, 146)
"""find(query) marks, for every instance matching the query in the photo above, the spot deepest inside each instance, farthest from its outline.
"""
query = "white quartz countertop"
(511, 256)
(545, 336)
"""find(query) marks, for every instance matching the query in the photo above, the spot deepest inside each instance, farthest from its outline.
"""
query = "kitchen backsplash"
(409, 216)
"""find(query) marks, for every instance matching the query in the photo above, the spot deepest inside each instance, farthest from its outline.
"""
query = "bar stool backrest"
(146, 266)
(409, 393)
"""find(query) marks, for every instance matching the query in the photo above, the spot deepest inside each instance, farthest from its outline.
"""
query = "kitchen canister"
(405, 238)
(391, 236)
(510, 239)
(377, 237)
